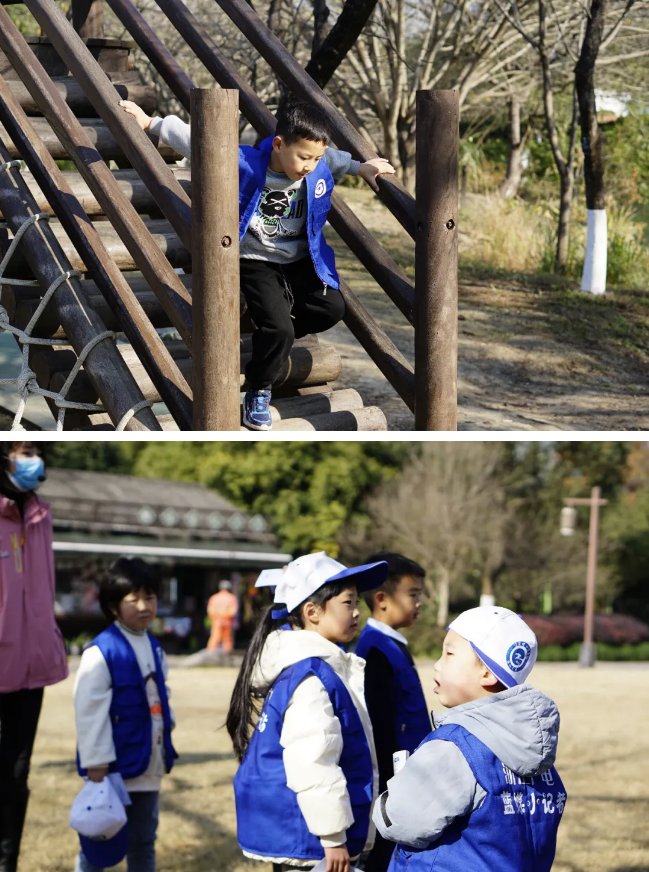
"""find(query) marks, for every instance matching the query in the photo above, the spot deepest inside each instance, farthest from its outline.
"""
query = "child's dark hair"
(246, 700)
(124, 576)
(299, 120)
(398, 566)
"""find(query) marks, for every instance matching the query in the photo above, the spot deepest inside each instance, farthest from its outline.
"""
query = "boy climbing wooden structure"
(95, 261)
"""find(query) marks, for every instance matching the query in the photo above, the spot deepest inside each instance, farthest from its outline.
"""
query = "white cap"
(269, 577)
(304, 576)
(97, 811)
(501, 639)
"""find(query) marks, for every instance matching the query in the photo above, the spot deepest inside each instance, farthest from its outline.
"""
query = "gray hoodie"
(520, 726)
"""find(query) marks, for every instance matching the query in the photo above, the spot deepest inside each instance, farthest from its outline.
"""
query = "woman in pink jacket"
(32, 654)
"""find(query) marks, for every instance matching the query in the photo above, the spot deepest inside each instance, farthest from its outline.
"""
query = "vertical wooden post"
(215, 256)
(587, 654)
(88, 18)
(436, 260)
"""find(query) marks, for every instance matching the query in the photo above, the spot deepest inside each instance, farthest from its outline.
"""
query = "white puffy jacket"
(311, 735)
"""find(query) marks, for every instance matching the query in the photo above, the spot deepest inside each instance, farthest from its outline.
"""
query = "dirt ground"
(532, 355)
(603, 754)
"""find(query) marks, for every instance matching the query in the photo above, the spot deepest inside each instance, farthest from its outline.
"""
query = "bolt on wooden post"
(436, 242)
(215, 257)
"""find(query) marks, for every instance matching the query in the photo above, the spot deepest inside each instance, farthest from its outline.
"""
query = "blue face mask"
(29, 473)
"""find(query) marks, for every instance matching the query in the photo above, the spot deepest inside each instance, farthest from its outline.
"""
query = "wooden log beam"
(135, 144)
(83, 233)
(215, 258)
(159, 232)
(21, 304)
(111, 379)
(367, 418)
(379, 346)
(307, 365)
(150, 261)
(73, 94)
(129, 183)
(436, 260)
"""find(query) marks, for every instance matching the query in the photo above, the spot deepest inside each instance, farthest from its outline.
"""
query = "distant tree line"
(481, 517)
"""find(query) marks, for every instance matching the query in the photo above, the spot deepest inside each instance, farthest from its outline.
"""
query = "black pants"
(285, 302)
(19, 713)
(379, 857)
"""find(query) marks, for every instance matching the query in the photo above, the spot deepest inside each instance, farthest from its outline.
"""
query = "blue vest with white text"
(514, 830)
(269, 820)
(129, 709)
(411, 719)
(253, 164)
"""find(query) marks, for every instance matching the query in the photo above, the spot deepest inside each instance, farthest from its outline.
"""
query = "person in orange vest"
(222, 608)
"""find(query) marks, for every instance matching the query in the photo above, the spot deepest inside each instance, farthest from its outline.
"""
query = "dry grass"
(603, 758)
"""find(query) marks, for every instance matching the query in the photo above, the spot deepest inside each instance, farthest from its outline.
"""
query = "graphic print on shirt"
(279, 213)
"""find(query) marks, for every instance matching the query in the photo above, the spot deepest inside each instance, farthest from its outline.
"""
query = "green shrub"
(567, 653)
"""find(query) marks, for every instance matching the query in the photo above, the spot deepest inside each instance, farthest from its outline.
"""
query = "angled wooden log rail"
(83, 233)
(111, 379)
(130, 226)
(360, 321)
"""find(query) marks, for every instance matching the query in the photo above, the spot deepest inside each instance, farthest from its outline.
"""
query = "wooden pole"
(436, 260)
(588, 654)
(215, 257)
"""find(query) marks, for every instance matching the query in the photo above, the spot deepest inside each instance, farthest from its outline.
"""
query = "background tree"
(444, 510)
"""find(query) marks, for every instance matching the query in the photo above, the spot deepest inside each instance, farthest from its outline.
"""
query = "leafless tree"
(446, 511)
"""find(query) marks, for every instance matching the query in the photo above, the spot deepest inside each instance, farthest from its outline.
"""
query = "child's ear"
(277, 143)
(311, 613)
(380, 599)
(488, 679)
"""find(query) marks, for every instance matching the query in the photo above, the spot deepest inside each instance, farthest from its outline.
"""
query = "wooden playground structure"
(95, 261)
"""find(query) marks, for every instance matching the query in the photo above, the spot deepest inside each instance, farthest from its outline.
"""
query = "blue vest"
(269, 820)
(253, 164)
(411, 719)
(514, 830)
(129, 709)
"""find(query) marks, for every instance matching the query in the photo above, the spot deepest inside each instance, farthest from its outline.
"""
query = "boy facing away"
(395, 699)
(288, 272)
(481, 792)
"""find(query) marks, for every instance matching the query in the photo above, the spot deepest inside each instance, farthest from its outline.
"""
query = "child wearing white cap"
(307, 778)
(481, 791)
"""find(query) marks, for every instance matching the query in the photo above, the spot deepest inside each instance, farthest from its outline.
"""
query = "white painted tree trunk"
(593, 278)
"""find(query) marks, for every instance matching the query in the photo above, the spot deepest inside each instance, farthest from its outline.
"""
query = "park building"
(193, 536)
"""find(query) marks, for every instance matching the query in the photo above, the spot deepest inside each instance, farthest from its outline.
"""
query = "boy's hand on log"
(373, 168)
(139, 114)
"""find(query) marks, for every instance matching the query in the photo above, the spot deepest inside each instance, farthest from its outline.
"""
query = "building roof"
(105, 503)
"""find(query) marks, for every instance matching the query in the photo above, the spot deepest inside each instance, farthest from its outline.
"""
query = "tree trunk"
(320, 16)
(443, 596)
(594, 274)
(510, 186)
(330, 54)
(563, 229)
(566, 194)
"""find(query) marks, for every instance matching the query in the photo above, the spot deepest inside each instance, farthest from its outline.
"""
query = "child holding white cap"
(481, 791)
(307, 779)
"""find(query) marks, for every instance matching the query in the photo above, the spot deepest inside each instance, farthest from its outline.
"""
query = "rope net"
(26, 382)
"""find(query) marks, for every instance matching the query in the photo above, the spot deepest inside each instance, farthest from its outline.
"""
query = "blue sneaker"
(256, 412)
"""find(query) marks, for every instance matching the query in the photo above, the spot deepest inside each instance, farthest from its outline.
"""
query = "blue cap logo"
(518, 655)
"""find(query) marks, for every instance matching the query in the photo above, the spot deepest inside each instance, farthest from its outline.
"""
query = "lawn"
(603, 754)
